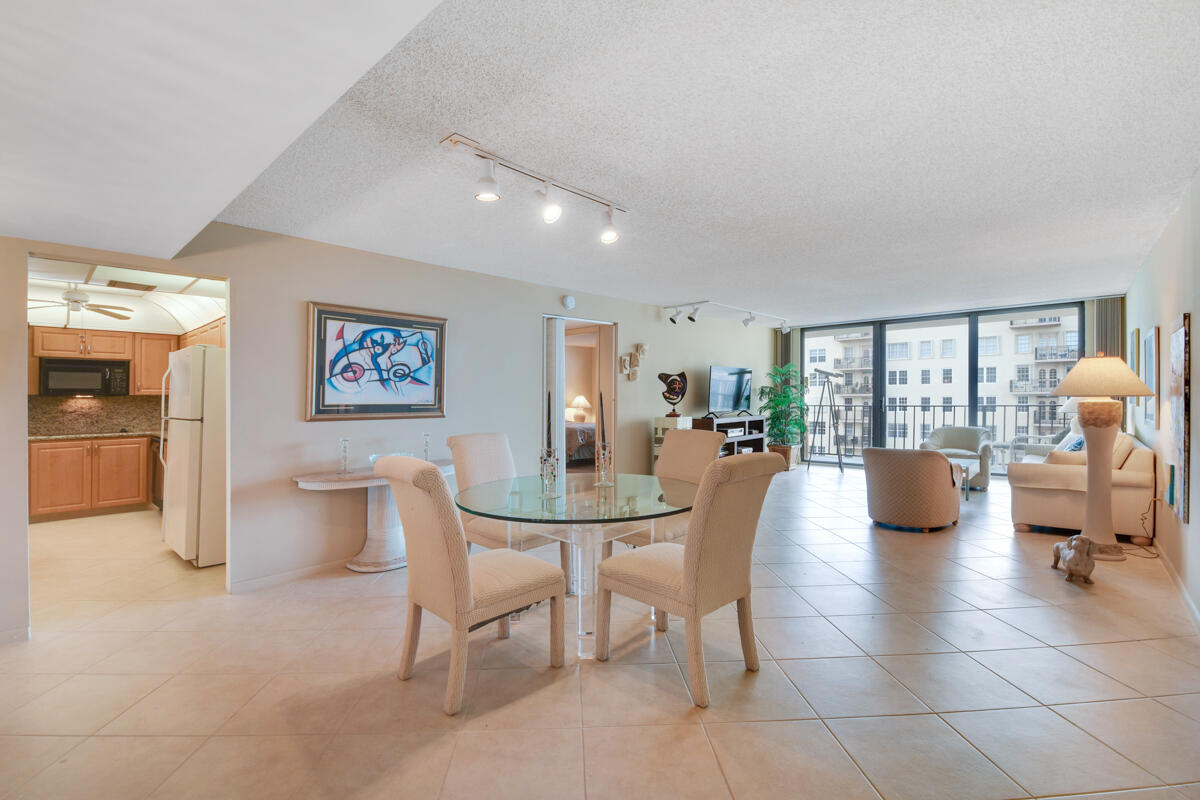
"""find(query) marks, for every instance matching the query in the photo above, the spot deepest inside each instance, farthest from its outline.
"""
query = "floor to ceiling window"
(994, 369)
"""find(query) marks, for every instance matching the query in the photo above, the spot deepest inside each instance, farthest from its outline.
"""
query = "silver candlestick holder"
(604, 465)
(549, 465)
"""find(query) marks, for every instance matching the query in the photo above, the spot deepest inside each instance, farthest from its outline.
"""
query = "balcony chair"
(465, 591)
(963, 442)
(482, 458)
(709, 570)
(912, 488)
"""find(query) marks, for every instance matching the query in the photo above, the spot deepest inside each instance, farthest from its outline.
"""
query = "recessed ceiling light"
(608, 234)
(486, 189)
(551, 210)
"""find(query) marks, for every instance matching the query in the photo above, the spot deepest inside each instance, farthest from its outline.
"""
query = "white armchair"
(1054, 493)
(963, 442)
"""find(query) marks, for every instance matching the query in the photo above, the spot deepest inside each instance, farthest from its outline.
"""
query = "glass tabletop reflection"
(579, 501)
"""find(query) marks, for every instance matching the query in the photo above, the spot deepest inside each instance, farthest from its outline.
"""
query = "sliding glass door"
(926, 382)
(838, 367)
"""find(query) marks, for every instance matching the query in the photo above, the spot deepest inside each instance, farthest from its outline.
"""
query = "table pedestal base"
(384, 548)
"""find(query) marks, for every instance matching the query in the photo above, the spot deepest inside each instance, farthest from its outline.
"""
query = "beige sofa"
(963, 442)
(911, 488)
(1054, 493)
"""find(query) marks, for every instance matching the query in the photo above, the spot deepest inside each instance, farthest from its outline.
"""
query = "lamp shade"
(1102, 376)
(580, 402)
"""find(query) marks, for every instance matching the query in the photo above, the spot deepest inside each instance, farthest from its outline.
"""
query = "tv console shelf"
(741, 432)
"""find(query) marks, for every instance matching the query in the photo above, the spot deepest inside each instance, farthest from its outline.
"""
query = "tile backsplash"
(86, 416)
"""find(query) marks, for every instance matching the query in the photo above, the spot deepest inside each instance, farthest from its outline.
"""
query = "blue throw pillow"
(1074, 444)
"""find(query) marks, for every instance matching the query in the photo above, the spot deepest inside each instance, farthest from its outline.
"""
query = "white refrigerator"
(193, 417)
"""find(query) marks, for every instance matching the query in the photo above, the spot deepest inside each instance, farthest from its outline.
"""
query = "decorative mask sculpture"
(676, 388)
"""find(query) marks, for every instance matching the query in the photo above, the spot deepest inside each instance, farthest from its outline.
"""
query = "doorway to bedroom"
(580, 385)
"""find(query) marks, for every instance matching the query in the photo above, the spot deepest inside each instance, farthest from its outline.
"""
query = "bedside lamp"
(1093, 382)
(579, 408)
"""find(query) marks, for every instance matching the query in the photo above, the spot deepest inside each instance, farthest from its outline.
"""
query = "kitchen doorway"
(128, 493)
(580, 382)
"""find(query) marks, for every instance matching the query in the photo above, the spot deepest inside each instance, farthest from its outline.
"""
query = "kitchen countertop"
(65, 436)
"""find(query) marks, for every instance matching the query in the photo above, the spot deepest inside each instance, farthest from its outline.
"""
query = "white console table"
(384, 548)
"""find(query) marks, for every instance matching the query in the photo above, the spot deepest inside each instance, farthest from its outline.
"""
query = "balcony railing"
(1056, 353)
(857, 389)
(846, 337)
(1034, 322)
(1019, 432)
(854, 362)
(1037, 386)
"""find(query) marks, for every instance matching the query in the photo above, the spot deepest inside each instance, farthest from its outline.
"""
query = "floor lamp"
(1093, 382)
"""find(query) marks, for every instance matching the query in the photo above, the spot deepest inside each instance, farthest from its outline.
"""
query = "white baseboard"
(254, 584)
(15, 635)
(1188, 601)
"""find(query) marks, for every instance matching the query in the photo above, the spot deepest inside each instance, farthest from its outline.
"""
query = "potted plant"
(783, 404)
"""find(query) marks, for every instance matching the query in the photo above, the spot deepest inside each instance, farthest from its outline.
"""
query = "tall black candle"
(603, 436)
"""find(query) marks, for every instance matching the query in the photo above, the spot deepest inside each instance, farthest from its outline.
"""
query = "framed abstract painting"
(1150, 375)
(1179, 401)
(367, 364)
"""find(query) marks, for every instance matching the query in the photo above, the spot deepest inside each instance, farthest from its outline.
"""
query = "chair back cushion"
(724, 518)
(910, 488)
(958, 438)
(438, 576)
(687, 453)
(481, 458)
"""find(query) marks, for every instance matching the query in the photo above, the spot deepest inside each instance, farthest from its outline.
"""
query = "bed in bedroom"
(581, 442)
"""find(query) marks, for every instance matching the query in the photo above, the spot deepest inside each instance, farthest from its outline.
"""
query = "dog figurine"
(1078, 558)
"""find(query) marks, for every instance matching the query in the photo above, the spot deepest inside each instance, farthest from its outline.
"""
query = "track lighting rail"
(751, 316)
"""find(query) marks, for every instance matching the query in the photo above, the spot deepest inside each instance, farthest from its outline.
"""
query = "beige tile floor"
(954, 664)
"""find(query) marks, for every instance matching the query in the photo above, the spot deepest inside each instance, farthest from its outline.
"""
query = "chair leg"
(557, 638)
(503, 627)
(660, 619)
(564, 557)
(603, 612)
(412, 638)
(457, 682)
(697, 678)
(606, 550)
(746, 629)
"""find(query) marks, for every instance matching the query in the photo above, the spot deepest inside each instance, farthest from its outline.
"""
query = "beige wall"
(581, 377)
(494, 335)
(1166, 286)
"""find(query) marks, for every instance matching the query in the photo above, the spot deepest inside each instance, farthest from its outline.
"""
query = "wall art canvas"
(1179, 400)
(1150, 375)
(374, 364)
(1131, 358)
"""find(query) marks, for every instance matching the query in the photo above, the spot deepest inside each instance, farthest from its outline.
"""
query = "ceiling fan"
(75, 300)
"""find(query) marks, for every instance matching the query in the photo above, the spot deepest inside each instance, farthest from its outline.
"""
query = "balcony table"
(584, 516)
(383, 549)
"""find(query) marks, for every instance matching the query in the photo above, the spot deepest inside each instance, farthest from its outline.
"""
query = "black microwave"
(72, 376)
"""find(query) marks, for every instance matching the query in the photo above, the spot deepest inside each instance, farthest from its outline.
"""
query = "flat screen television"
(729, 389)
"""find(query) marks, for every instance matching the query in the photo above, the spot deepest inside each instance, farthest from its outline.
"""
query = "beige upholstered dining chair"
(466, 591)
(684, 457)
(708, 571)
(483, 458)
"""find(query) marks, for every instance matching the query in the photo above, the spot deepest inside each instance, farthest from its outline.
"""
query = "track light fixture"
(675, 317)
(486, 188)
(551, 210)
(750, 318)
(608, 234)
(748, 321)
(695, 312)
(785, 329)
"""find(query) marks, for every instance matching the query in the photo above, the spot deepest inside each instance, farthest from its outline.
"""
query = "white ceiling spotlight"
(785, 329)
(694, 313)
(722, 310)
(486, 188)
(551, 210)
(748, 321)
(675, 317)
(608, 234)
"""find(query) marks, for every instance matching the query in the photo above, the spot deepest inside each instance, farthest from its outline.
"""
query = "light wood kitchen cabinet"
(151, 357)
(81, 474)
(60, 476)
(212, 334)
(76, 343)
(34, 366)
(120, 470)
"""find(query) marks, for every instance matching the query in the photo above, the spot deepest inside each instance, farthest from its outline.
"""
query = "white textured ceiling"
(128, 125)
(820, 160)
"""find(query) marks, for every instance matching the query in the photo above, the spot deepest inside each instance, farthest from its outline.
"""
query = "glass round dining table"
(587, 517)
